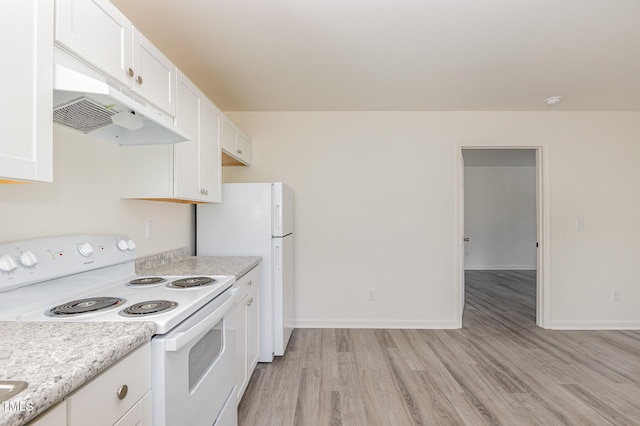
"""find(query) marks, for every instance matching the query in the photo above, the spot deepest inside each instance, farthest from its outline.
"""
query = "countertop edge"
(50, 383)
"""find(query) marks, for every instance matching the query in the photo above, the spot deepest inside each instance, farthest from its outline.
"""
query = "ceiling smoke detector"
(553, 100)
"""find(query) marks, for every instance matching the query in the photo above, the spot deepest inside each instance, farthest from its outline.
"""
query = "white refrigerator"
(256, 219)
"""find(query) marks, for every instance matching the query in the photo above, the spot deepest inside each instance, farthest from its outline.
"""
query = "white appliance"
(256, 219)
(86, 101)
(92, 278)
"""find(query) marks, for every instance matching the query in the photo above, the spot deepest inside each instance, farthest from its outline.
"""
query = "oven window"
(205, 353)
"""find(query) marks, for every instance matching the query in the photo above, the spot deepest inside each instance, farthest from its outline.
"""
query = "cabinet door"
(26, 145)
(98, 32)
(210, 169)
(228, 136)
(240, 316)
(243, 148)
(154, 74)
(54, 416)
(253, 328)
(186, 158)
(139, 415)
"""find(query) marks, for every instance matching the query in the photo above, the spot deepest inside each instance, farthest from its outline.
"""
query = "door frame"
(543, 215)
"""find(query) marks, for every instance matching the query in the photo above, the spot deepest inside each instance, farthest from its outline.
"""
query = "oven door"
(193, 365)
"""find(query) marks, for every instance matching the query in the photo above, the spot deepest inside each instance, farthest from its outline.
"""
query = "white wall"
(500, 217)
(84, 199)
(375, 208)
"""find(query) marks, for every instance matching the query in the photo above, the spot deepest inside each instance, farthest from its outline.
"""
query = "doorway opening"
(501, 228)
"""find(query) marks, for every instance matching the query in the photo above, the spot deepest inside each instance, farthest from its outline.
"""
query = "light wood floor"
(500, 368)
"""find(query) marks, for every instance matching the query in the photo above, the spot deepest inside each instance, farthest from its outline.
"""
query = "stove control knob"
(122, 245)
(85, 249)
(7, 263)
(28, 259)
(131, 245)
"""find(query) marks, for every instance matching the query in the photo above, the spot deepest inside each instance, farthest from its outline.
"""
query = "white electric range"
(91, 278)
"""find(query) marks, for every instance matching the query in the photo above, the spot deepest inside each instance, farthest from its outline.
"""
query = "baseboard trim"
(420, 324)
(500, 268)
(594, 325)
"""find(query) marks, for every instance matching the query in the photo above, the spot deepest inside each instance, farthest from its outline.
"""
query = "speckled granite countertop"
(198, 265)
(56, 358)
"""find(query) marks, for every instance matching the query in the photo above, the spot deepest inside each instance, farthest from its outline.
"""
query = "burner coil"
(83, 306)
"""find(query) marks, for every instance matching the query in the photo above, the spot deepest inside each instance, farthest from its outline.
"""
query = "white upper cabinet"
(185, 172)
(210, 163)
(26, 145)
(98, 33)
(243, 148)
(236, 146)
(153, 75)
(229, 133)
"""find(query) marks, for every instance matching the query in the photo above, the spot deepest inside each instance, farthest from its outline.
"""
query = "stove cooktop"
(84, 272)
(184, 301)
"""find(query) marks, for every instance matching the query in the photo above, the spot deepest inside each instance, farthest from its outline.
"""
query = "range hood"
(88, 102)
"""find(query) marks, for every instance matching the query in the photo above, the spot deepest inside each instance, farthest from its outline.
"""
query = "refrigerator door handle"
(277, 257)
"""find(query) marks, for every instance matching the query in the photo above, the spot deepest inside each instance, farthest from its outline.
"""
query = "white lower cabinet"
(111, 396)
(139, 414)
(247, 320)
(119, 396)
(54, 416)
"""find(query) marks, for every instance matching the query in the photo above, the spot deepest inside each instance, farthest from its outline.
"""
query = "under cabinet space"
(188, 172)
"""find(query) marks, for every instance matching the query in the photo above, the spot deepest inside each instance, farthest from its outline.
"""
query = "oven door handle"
(180, 339)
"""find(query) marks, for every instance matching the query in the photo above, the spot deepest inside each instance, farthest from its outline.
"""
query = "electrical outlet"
(615, 295)
(372, 293)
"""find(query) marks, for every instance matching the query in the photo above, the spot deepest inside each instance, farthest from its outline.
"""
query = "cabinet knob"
(239, 151)
(250, 302)
(139, 80)
(250, 282)
(130, 72)
(122, 392)
(204, 192)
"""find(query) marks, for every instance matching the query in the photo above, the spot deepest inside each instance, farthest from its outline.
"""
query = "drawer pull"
(122, 392)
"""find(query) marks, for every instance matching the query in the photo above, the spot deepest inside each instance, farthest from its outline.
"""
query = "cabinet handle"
(250, 302)
(204, 192)
(122, 392)
(250, 282)
(139, 79)
(130, 72)
(239, 151)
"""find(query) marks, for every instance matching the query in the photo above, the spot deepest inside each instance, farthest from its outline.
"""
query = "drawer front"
(249, 281)
(102, 401)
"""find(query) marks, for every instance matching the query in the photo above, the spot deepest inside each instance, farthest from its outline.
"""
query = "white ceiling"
(297, 55)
